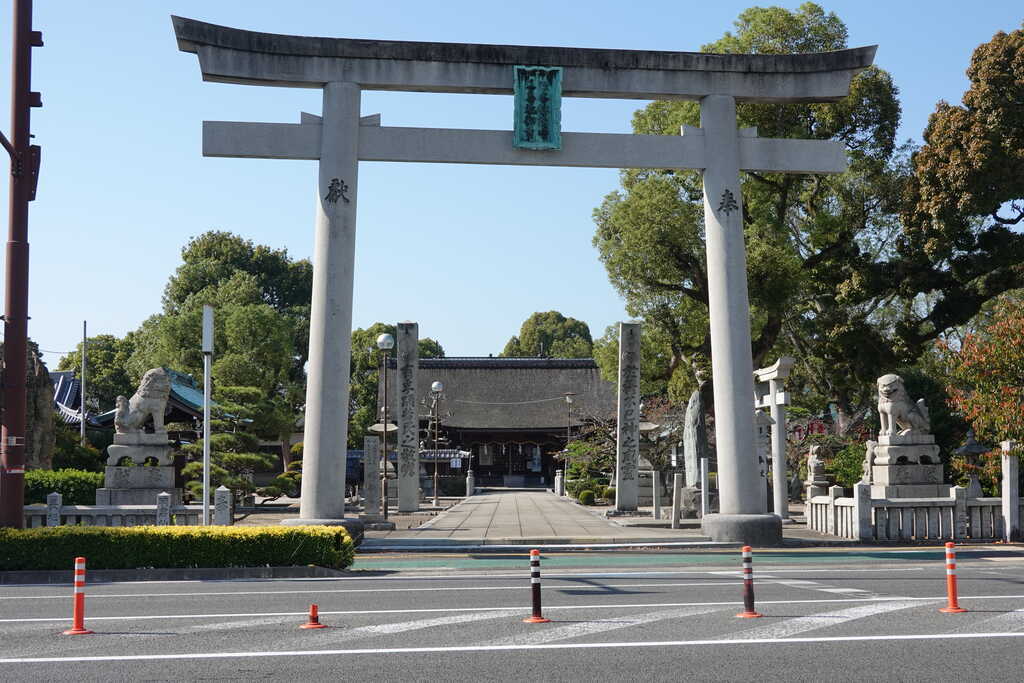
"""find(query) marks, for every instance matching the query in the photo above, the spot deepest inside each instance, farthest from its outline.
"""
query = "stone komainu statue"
(900, 415)
(150, 400)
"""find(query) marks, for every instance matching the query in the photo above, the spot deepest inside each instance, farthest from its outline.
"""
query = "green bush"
(587, 497)
(171, 546)
(76, 487)
(848, 464)
(609, 493)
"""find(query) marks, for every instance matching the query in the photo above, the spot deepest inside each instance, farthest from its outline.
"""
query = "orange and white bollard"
(314, 618)
(536, 618)
(78, 617)
(951, 598)
(748, 586)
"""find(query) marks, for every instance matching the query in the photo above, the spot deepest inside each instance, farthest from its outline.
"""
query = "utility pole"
(81, 400)
(24, 176)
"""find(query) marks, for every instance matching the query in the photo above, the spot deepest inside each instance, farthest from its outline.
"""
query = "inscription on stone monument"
(627, 452)
(408, 422)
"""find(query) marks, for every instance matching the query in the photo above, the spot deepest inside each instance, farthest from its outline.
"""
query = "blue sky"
(467, 251)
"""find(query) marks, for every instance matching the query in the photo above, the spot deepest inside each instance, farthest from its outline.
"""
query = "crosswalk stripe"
(550, 635)
(1010, 621)
(797, 625)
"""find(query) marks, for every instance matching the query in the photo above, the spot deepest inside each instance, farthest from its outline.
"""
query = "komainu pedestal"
(139, 462)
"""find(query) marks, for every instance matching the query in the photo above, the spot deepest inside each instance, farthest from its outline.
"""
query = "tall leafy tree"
(107, 373)
(836, 278)
(551, 335)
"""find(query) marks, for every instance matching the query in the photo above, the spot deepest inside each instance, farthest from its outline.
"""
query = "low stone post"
(830, 515)
(862, 512)
(1011, 493)
(559, 483)
(222, 504)
(470, 484)
(371, 479)
(959, 496)
(54, 501)
(163, 509)
(677, 499)
(656, 494)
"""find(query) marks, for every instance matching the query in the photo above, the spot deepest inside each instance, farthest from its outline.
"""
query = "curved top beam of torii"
(230, 55)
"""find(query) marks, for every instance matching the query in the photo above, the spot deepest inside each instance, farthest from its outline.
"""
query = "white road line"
(95, 594)
(796, 625)
(524, 608)
(379, 629)
(1010, 621)
(549, 635)
(931, 637)
(549, 573)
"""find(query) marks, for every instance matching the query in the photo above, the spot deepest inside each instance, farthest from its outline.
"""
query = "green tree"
(261, 303)
(364, 377)
(550, 335)
(107, 373)
(835, 277)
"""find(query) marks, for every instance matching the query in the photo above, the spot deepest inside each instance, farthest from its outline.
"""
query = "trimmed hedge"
(76, 487)
(174, 546)
(587, 497)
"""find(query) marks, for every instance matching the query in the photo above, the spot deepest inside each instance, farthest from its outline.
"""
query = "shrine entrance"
(538, 77)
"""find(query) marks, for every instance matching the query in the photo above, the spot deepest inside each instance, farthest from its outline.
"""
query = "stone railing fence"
(162, 514)
(953, 518)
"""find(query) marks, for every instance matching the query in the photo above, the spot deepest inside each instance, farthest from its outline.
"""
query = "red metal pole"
(24, 172)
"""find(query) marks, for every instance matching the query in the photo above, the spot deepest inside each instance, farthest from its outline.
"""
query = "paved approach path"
(518, 516)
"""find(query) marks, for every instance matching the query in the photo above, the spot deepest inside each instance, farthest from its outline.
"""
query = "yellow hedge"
(174, 546)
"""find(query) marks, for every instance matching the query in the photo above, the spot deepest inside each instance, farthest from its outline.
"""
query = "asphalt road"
(833, 617)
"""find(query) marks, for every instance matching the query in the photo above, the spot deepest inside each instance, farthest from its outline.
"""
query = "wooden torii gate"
(339, 139)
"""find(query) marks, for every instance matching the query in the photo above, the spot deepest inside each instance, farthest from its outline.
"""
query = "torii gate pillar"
(325, 439)
(741, 516)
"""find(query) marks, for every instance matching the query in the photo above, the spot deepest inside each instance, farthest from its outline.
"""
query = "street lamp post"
(435, 395)
(385, 343)
(568, 430)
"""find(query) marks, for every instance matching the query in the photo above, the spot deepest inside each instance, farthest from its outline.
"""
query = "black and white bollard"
(748, 586)
(536, 618)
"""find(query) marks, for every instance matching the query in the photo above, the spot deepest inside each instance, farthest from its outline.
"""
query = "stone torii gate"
(339, 139)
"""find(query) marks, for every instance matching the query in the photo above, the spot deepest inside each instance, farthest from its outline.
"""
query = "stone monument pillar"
(695, 439)
(741, 517)
(408, 418)
(139, 466)
(330, 319)
(627, 450)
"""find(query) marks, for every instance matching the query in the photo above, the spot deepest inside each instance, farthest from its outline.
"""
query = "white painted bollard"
(656, 493)
(222, 504)
(470, 484)
(705, 487)
(559, 483)
(54, 501)
(1011, 493)
(677, 499)
(163, 509)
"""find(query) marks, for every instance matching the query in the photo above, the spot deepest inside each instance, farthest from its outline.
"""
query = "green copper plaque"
(538, 93)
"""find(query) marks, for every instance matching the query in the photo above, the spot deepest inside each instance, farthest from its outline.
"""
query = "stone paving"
(499, 516)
